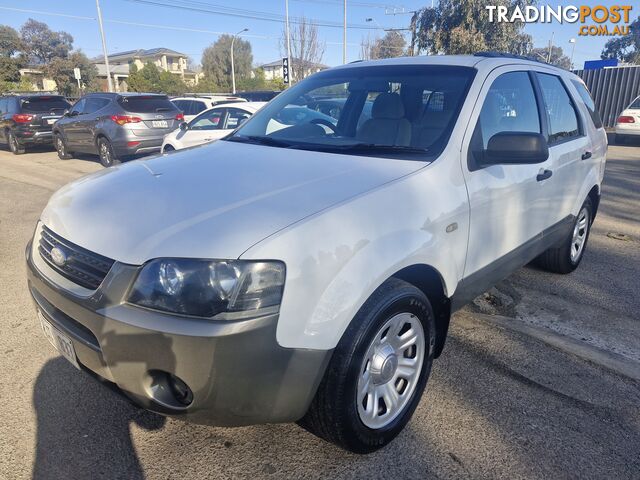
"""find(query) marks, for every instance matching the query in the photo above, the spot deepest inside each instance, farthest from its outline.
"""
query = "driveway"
(501, 403)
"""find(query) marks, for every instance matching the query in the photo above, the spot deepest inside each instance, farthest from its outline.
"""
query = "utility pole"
(550, 46)
(233, 70)
(104, 47)
(288, 40)
(344, 35)
(573, 49)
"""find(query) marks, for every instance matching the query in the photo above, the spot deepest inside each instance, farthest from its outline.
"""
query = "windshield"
(403, 111)
(147, 104)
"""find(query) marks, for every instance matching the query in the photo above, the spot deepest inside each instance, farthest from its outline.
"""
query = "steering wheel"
(324, 122)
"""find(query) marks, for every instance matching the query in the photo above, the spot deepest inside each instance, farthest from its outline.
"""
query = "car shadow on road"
(83, 428)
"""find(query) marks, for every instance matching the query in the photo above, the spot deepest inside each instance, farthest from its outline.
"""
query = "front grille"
(81, 266)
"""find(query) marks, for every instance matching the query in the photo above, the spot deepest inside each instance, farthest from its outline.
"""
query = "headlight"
(204, 288)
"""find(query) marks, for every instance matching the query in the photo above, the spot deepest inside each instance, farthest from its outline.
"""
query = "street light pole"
(233, 71)
(104, 47)
(344, 34)
(573, 49)
(288, 40)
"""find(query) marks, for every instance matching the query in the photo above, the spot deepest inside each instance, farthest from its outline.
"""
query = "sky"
(133, 24)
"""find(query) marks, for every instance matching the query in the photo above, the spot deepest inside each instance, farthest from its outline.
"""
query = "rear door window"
(147, 104)
(94, 104)
(197, 107)
(588, 101)
(235, 117)
(44, 104)
(78, 108)
(563, 119)
(3, 105)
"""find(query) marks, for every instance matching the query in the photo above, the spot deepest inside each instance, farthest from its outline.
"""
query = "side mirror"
(515, 148)
(65, 113)
(184, 126)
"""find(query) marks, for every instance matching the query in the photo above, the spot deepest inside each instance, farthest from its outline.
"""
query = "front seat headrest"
(387, 105)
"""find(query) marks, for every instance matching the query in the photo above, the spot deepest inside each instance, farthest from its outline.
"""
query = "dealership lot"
(500, 403)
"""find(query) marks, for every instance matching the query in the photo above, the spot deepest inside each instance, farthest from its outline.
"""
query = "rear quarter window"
(147, 104)
(635, 103)
(44, 104)
(588, 101)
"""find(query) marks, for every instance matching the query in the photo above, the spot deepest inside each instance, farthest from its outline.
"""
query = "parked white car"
(309, 274)
(628, 123)
(210, 125)
(195, 105)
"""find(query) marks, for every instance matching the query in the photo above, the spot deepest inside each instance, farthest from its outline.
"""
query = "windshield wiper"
(258, 140)
(374, 147)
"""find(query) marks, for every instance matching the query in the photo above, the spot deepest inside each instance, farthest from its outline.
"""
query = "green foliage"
(10, 42)
(60, 70)
(25, 84)
(151, 79)
(216, 61)
(626, 47)
(389, 46)
(42, 45)
(558, 58)
(463, 27)
(9, 69)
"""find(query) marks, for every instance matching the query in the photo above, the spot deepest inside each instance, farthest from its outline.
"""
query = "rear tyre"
(14, 145)
(61, 148)
(377, 372)
(107, 155)
(566, 257)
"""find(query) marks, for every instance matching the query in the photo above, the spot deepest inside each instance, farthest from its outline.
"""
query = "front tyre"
(61, 147)
(566, 257)
(378, 371)
(105, 151)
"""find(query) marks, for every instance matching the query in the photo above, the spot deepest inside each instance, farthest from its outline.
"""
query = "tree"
(171, 84)
(558, 58)
(625, 47)
(147, 79)
(463, 27)
(306, 49)
(60, 70)
(9, 69)
(216, 61)
(42, 45)
(10, 42)
(389, 46)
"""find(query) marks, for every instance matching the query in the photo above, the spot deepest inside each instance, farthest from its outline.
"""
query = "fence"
(612, 89)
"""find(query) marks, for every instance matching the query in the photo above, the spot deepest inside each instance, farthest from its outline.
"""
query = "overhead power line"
(211, 9)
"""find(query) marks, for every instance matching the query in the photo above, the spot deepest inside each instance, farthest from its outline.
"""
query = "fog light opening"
(180, 390)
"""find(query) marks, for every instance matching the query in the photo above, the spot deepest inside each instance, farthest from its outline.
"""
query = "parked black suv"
(27, 119)
(116, 125)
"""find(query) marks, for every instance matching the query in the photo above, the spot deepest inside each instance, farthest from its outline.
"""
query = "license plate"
(51, 121)
(159, 124)
(59, 340)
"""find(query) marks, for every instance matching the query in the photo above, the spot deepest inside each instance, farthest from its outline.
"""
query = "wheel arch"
(594, 196)
(429, 280)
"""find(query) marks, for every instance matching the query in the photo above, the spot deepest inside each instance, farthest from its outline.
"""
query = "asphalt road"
(499, 404)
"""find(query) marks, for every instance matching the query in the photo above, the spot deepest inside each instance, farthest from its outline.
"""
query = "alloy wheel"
(579, 238)
(390, 370)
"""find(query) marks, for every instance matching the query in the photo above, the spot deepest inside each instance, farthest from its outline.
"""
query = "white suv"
(191, 106)
(306, 270)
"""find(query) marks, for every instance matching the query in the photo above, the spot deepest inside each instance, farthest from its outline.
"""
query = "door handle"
(586, 155)
(543, 175)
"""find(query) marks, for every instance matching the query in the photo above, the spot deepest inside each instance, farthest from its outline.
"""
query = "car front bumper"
(238, 373)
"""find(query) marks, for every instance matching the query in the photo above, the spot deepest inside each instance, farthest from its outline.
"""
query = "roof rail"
(492, 54)
(27, 92)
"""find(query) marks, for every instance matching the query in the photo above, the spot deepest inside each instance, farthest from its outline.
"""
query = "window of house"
(563, 120)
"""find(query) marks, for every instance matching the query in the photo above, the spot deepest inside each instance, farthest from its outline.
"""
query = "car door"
(88, 121)
(508, 202)
(71, 125)
(206, 127)
(568, 144)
